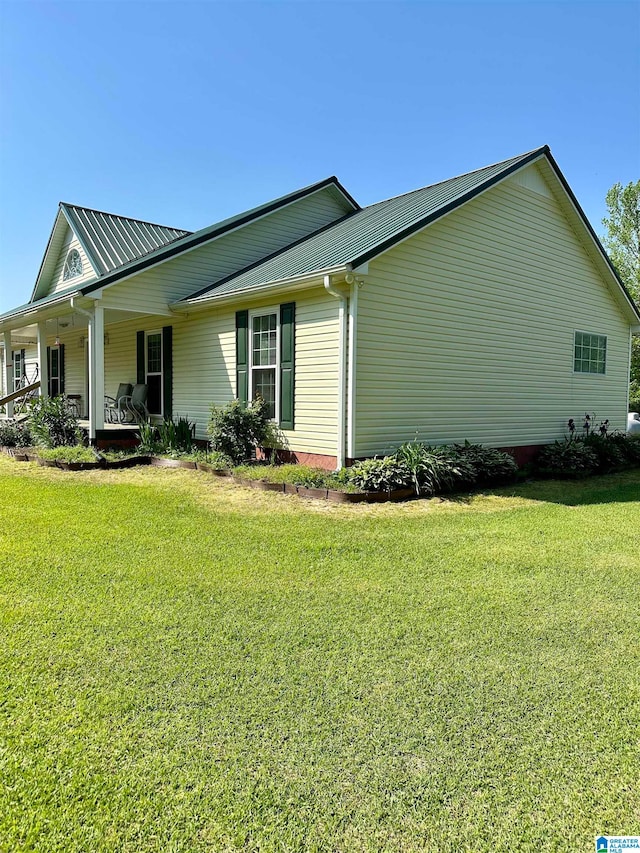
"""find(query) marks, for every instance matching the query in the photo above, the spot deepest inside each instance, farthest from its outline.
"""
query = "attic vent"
(72, 266)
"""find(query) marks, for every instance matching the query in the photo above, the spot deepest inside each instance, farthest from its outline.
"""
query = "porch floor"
(124, 428)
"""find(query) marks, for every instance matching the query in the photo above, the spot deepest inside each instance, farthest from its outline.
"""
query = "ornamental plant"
(14, 435)
(380, 474)
(236, 430)
(492, 466)
(53, 423)
(568, 458)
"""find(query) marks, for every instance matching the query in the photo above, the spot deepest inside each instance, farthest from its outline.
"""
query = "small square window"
(590, 353)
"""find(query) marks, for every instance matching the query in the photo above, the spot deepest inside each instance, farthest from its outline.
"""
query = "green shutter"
(287, 363)
(61, 368)
(49, 371)
(242, 356)
(167, 370)
(141, 371)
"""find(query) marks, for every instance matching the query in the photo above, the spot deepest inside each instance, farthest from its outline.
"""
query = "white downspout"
(342, 372)
(351, 393)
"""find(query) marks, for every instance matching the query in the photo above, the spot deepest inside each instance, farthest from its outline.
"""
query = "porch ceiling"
(59, 319)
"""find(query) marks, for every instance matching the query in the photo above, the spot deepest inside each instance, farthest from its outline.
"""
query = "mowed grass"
(187, 665)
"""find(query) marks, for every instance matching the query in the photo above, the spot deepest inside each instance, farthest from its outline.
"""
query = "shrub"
(236, 430)
(610, 454)
(568, 458)
(53, 423)
(217, 459)
(14, 435)
(491, 466)
(380, 475)
(623, 448)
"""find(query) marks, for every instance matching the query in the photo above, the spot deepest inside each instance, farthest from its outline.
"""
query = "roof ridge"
(127, 218)
(541, 149)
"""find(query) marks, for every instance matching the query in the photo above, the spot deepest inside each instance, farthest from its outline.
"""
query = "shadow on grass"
(622, 487)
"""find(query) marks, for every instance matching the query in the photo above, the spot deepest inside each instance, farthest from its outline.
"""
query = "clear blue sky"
(185, 113)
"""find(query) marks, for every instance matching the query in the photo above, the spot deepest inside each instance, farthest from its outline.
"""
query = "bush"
(609, 452)
(53, 423)
(568, 458)
(236, 430)
(380, 475)
(492, 467)
(620, 446)
(14, 435)
(634, 396)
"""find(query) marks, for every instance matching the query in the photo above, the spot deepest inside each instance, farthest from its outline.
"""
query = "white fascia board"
(31, 314)
(297, 282)
(446, 213)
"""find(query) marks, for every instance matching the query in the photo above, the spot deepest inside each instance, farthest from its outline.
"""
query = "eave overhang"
(296, 282)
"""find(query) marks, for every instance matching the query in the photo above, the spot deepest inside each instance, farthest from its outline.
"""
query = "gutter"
(280, 283)
(342, 372)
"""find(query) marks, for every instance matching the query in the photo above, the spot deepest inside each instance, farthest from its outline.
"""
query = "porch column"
(7, 371)
(43, 364)
(96, 372)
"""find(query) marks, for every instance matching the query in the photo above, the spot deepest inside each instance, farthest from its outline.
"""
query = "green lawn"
(187, 665)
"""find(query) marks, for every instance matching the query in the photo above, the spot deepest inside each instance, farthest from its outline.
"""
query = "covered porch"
(82, 349)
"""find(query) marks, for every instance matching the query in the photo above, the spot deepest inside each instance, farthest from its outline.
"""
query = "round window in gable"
(72, 266)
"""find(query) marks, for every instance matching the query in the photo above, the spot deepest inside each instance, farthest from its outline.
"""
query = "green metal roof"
(361, 235)
(112, 241)
(212, 231)
(59, 295)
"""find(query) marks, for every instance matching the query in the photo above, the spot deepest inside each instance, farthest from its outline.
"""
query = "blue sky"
(185, 113)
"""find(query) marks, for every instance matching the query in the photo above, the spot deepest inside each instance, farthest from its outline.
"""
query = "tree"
(622, 241)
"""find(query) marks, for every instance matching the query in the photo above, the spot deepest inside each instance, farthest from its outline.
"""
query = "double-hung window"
(264, 360)
(589, 353)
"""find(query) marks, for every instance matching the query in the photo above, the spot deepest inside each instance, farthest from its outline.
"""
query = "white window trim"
(606, 352)
(22, 361)
(67, 274)
(261, 312)
(159, 373)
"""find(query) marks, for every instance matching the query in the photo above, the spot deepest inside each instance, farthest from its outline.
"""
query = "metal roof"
(56, 296)
(361, 235)
(112, 241)
(196, 238)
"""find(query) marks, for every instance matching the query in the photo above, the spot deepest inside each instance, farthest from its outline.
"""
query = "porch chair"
(136, 404)
(114, 410)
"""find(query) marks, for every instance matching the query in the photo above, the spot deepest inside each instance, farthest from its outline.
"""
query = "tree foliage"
(622, 242)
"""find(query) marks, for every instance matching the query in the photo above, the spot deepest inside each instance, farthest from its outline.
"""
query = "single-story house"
(482, 307)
